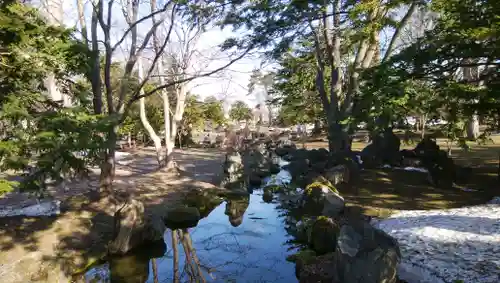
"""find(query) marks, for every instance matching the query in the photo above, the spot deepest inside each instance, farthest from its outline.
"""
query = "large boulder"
(134, 228)
(298, 168)
(323, 235)
(233, 175)
(321, 197)
(255, 166)
(384, 149)
(285, 150)
(442, 169)
(363, 247)
(364, 254)
(338, 174)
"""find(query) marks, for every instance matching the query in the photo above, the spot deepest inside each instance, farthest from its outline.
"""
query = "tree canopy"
(240, 111)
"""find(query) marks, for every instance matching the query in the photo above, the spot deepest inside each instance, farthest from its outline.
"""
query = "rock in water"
(182, 217)
(323, 236)
(233, 170)
(134, 228)
(363, 247)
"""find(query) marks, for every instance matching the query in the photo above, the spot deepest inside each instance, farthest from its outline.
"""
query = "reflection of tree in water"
(226, 255)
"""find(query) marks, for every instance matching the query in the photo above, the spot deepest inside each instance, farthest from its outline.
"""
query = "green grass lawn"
(380, 192)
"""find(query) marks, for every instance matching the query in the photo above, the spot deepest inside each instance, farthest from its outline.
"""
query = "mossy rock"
(305, 256)
(274, 169)
(182, 217)
(255, 180)
(273, 188)
(267, 197)
(323, 235)
(301, 259)
(320, 186)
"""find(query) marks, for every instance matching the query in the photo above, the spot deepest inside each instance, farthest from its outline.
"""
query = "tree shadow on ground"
(377, 192)
(51, 248)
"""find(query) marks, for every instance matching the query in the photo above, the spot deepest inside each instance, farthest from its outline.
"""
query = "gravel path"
(448, 245)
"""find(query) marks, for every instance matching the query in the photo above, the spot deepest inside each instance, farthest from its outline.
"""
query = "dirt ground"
(52, 249)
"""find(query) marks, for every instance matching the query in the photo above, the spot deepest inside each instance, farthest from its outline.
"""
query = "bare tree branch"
(398, 30)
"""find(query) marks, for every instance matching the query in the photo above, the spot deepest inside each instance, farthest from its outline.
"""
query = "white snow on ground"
(40, 209)
(121, 158)
(448, 245)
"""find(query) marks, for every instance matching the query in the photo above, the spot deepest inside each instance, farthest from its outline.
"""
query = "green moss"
(273, 188)
(320, 185)
(91, 262)
(305, 256)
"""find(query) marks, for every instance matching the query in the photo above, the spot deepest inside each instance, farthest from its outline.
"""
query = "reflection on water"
(242, 240)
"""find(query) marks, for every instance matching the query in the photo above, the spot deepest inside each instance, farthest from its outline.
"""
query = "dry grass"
(382, 191)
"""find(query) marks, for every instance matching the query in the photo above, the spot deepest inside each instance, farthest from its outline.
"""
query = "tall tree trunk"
(169, 142)
(471, 74)
(151, 132)
(145, 123)
(473, 127)
(94, 76)
(423, 122)
(108, 165)
(179, 111)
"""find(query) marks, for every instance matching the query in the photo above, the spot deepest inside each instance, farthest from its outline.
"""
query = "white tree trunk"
(144, 120)
(169, 138)
(179, 110)
(473, 127)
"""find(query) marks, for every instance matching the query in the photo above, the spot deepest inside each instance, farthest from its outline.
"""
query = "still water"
(247, 246)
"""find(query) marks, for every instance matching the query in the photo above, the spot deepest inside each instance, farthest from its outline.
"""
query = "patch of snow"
(448, 245)
(416, 274)
(119, 155)
(40, 209)
(418, 169)
(408, 168)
